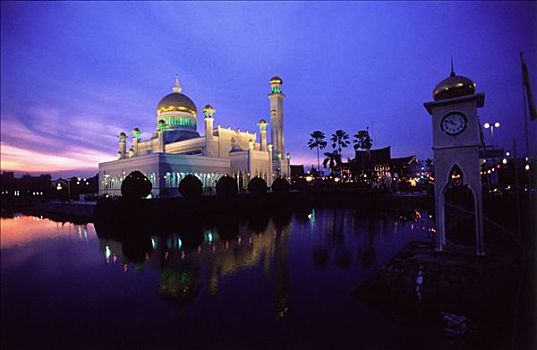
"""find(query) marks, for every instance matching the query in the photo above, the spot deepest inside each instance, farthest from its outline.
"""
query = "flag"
(527, 88)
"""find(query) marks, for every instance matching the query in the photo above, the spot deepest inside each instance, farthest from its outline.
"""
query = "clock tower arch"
(456, 143)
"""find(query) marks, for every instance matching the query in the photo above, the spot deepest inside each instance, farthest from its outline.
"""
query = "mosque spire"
(176, 86)
(452, 74)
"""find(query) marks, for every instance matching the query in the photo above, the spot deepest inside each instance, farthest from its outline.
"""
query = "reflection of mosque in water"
(195, 256)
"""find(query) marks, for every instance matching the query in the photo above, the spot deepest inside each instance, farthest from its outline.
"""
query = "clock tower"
(456, 143)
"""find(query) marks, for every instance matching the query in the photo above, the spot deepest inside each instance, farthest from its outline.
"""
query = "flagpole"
(525, 104)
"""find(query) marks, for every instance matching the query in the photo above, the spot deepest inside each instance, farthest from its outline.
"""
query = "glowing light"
(107, 252)
(309, 178)
(507, 154)
(497, 125)
(527, 167)
(504, 161)
(486, 125)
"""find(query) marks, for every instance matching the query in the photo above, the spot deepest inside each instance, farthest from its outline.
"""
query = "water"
(287, 282)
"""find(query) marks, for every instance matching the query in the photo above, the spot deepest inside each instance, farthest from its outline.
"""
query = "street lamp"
(491, 126)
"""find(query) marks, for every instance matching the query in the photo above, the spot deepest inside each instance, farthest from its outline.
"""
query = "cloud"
(42, 139)
(15, 158)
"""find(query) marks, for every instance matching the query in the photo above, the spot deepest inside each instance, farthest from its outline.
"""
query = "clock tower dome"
(456, 143)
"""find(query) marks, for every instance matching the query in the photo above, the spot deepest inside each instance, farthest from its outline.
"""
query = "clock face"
(454, 123)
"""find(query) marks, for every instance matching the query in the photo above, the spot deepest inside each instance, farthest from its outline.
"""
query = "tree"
(257, 185)
(135, 186)
(226, 186)
(190, 187)
(340, 140)
(363, 141)
(333, 160)
(317, 141)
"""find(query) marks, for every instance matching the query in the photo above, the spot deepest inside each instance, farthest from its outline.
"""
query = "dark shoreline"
(212, 207)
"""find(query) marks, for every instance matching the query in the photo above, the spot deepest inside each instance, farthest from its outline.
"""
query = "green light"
(182, 122)
(276, 90)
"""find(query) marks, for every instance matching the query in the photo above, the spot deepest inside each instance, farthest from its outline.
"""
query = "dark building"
(25, 186)
(297, 171)
(377, 163)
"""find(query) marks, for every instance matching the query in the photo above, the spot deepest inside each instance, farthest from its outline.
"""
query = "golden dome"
(276, 80)
(454, 86)
(176, 101)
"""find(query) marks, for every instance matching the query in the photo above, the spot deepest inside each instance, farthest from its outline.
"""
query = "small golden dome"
(453, 86)
(276, 80)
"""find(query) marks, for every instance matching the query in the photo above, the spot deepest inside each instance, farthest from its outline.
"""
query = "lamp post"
(288, 157)
(491, 126)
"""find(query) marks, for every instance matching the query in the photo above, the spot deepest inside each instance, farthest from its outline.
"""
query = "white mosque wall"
(186, 146)
(165, 171)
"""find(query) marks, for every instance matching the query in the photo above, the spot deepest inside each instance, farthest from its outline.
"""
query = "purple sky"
(74, 75)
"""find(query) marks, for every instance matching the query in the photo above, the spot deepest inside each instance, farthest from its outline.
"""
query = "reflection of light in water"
(153, 242)
(22, 229)
(107, 253)
(311, 217)
(179, 243)
(419, 284)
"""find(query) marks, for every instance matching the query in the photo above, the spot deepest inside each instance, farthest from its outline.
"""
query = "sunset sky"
(75, 74)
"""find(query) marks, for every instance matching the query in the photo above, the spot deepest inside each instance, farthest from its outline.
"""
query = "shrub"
(226, 186)
(135, 186)
(280, 185)
(190, 187)
(257, 185)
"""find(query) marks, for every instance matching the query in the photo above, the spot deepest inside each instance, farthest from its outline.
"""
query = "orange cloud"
(15, 158)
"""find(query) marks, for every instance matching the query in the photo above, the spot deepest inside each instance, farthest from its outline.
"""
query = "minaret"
(122, 145)
(208, 111)
(276, 116)
(263, 134)
(136, 134)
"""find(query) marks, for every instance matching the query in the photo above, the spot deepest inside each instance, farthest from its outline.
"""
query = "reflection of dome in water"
(453, 86)
(181, 286)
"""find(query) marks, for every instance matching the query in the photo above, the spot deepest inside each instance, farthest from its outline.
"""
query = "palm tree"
(333, 160)
(340, 140)
(362, 140)
(317, 141)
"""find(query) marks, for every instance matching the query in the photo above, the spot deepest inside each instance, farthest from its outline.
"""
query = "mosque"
(176, 149)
